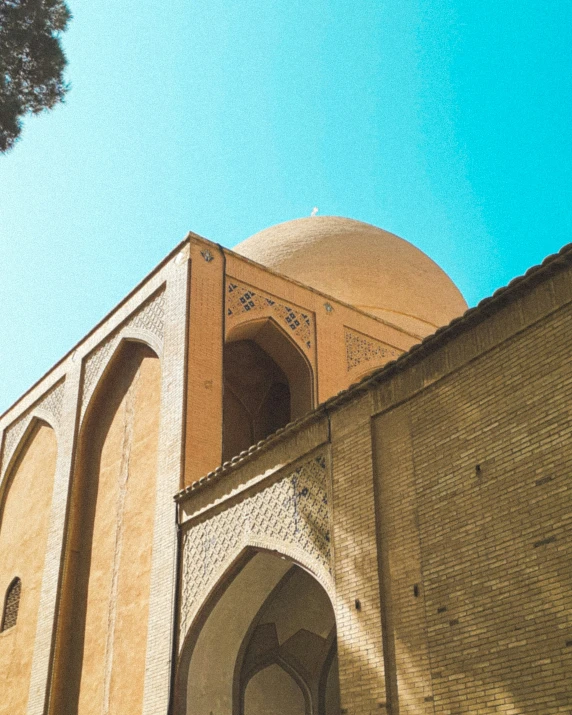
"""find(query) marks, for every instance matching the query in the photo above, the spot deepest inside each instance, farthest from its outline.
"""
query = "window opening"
(11, 605)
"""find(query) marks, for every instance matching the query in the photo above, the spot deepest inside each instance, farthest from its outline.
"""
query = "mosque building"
(298, 477)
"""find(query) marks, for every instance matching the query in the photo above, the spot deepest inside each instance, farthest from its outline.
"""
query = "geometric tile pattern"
(52, 401)
(242, 299)
(150, 317)
(362, 349)
(292, 511)
(12, 438)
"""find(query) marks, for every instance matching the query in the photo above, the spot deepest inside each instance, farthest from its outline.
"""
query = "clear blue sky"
(447, 122)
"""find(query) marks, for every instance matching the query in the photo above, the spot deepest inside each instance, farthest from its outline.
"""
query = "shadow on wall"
(105, 591)
(264, 645)
(481, 489)
(267, 383)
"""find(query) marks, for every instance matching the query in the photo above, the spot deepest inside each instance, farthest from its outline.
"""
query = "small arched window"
(11, 604)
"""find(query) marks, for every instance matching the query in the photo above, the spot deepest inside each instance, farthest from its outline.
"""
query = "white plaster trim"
(68, 429)
(163, 578)
(124, 336)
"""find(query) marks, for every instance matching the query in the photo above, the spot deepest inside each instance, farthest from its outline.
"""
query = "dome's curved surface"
(362, 265)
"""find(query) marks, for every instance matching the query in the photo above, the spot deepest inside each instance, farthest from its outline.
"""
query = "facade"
(270, 482)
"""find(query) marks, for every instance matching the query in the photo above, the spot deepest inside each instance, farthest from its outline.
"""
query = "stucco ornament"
(244, 300)
(49, 405)
(362, 349)
(149, 319)
(292, 512)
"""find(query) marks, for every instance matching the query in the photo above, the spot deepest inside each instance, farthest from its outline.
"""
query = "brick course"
(451, 514)
(475, 480)
(448, 472)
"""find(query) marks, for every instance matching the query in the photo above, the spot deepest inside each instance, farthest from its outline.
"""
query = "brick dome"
(362, 265)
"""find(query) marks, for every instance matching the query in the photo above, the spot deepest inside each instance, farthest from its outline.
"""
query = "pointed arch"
(242, 650)
(235, 560)
(275, 341)
(285, 670)
(35, 420)
(24, 531)
(31, 421)
(227, 574)
(268, 382)
(11, 604)
(127, 337)
(107, 563)
(294, 629)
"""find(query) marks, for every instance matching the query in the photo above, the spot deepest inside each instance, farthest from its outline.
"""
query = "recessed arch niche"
(268, 382)
(99, 663)
(264, 643)
(25, 507)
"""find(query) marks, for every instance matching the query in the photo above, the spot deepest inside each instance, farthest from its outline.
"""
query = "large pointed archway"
(99, 663)
(24, 534)
(265, 644)
(267, 383)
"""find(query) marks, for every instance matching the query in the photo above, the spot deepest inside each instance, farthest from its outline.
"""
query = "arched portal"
(99, 664)
(266, 646)
(25, 504)
(267, 383)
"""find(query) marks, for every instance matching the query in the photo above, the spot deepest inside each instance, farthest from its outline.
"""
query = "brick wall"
(358, 618)
(60, 399)
(474, 479)
(451, 513)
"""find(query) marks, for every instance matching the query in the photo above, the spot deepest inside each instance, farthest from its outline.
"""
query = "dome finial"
(314, 211)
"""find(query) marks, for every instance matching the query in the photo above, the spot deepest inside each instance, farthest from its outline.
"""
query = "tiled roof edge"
(484, 309)
(262, 446)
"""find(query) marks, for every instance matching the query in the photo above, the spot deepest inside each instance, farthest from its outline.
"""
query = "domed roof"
(362, 265)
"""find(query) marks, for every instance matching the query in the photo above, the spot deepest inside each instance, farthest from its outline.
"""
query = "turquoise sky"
(447, 122)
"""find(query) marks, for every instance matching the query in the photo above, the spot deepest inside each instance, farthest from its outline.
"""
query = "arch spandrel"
(291, 516)
(146, 325)
(47, 409)
(365, 354)
(245, 303)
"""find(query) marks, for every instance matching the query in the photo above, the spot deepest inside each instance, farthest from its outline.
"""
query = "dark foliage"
(32, 61)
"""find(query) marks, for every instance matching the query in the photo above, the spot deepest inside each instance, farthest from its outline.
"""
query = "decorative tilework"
(53, 400)
(50, 403)
(241, 299)
(362, 349)
(292, 511)
(149, 318)
(13, 436)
